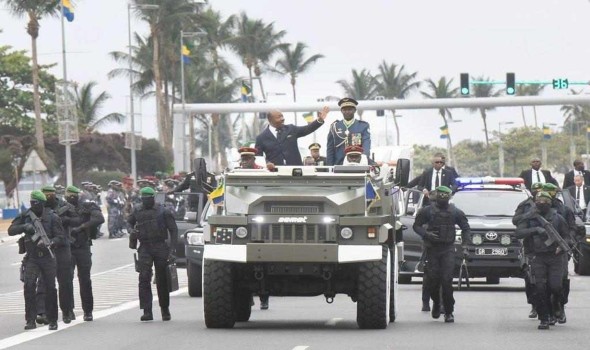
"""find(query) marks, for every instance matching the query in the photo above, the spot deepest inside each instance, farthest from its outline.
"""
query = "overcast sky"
(536, 39)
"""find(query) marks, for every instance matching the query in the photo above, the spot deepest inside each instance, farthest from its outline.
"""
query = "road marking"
(300, 347)
(41, 332)
(18, 263)
(332, 322)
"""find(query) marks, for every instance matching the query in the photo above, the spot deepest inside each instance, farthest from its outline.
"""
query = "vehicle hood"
(488, 223)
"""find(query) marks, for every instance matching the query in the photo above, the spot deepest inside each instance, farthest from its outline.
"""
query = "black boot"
(449, 318)
(147, 315)
(53, 326)
(543, 325)
(42, 319)
(72, 315)
(30, 325)
(435, 311)
(533, 313)
(264, 302)
(66, 317)
(88, 316)
(425, 306)
(561, 318)
(166, 314)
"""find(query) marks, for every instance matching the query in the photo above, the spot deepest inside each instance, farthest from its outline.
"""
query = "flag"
(68, 10)
(308, 117)
(218, 194)
(185, 54)
(588, 132)
(371, 194)
(546, 133)
(444, 132)
(245, 91)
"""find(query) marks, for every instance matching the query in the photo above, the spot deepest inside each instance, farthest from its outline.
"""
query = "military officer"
(115, 203)
(248, 158)
(315, 158)
(39, 261)
(154, 226)
(347, 132)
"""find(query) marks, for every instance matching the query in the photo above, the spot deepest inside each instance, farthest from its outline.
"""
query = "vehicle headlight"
(346, 233)
(241, 232)
(505, 240)
(477, 239)
(195, 238)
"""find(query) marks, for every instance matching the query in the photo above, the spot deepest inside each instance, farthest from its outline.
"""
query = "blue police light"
(463, 181)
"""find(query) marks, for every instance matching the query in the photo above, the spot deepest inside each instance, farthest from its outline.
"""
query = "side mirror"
(402, 172)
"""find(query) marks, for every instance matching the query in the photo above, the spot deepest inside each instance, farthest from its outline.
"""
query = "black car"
(489, 204)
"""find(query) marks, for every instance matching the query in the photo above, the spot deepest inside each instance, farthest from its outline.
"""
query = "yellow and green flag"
(185, 54)
(444, 132)
(308, 117)
(68, 10)
(546, 132)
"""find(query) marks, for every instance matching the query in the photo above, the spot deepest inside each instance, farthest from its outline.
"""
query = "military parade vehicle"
(303, 231)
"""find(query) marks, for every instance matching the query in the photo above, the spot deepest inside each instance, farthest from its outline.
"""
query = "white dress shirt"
(534, 178)
(433, 180)
(273, 130)
(581, 199)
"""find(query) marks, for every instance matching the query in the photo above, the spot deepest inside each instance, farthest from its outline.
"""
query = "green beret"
(48, 188)
(537, 185)
(549, 187)
(73, 189)
(444, 189)
(147, 192)
(37, 195)
(541, 195)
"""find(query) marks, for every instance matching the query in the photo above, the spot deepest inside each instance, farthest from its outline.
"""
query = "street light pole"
(501, 147)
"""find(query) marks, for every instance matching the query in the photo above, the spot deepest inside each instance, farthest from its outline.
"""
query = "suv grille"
(286, 209)
(294, 233)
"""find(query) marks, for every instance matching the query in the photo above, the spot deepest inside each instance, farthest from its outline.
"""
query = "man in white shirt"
(536, 174)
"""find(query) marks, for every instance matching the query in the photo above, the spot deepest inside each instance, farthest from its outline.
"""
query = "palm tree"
(141, 63)
(529, 90)
(35, 10)
(361, 87)
(88, 108)
(443, 89)
(394, 83)
(484, 90)
(293, 63)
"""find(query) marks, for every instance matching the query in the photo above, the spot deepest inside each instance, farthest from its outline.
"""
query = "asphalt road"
(487, 317)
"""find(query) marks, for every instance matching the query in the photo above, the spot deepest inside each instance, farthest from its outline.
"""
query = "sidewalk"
(4, 237)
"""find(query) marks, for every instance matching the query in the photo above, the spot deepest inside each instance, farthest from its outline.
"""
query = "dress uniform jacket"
(340, 137)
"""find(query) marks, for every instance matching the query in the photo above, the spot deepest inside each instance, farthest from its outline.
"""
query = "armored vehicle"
(303, 231)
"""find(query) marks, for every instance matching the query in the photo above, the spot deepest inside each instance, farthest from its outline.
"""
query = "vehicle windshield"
(488, 203)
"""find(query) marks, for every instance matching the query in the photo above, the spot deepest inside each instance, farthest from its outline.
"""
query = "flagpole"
(66, 95)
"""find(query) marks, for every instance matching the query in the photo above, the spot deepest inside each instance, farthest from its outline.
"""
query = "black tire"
(372, 308)
(218, 294)
(194, 273)
(393, 292)
(243, 306)
(584, 263)
(492, 280)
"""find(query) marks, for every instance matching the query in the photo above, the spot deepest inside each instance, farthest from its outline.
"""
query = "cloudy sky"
(536, 39)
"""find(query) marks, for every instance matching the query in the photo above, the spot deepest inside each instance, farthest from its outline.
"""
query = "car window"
(488, 203)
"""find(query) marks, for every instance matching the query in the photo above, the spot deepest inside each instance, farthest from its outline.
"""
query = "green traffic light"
(464, 91)
(510, 91)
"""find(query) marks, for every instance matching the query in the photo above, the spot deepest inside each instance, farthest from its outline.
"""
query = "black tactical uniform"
(439, 238)
(546, 261)
(153, 224)
(82, 219)
(38, 261)
(199, 182)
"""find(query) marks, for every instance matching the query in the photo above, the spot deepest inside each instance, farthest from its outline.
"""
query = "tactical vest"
(150, 224)
(442, 222)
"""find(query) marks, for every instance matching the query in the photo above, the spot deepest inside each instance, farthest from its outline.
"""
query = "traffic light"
(464, 84)
(510, 84)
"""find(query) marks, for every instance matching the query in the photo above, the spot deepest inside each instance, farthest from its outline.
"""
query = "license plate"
(491, 251)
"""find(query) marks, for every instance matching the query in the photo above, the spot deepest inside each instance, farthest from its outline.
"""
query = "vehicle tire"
(243, 306)
(373, 293)
(492, 280)
(584, 262)
(393, 293)
(218, 294)
(194, 273)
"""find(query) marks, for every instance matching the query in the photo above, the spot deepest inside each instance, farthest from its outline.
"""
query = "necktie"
(538, 177)
(437, 181)
(279, 131)
(578, 194)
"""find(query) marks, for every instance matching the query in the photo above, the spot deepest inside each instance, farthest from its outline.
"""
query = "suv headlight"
(346, 233)
(476, 239)
(195, 238)
(241, 232)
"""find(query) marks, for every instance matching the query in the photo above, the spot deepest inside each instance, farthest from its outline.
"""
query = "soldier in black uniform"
(39, 262)
(440, 219)
(347, 132)
(522, 212)
(153, 224)
(547, 260)
(199, 181)
(82, 219)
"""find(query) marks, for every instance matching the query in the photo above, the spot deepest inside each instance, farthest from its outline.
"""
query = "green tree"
(443, 89)
(393, 82)
(88, 107)
(35, 10)
(484, 90)
(294, 63)
(363, 86)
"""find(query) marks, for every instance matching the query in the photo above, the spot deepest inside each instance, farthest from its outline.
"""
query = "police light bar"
(512, 181)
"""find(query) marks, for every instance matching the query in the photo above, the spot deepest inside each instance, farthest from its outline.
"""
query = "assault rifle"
(40, 233)
(554, 236)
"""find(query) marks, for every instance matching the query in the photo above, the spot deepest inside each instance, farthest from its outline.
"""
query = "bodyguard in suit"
(347, 132)
(580, 192)
(536, 174)
(435, 177)
(278, 142)
(568, 180)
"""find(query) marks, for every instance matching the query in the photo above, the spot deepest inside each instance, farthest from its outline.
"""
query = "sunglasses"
(439, 162)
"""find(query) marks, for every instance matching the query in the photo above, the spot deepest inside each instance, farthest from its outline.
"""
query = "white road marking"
(333, 321)
(300, 347)
(41, 332)
(18, 263)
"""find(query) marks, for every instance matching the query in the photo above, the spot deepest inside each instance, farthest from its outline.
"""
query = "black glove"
(65, 221)
(76, 230)
(540, 230)
(465, 252)
(172, 256)
(29, 229)
(431, 236)
(41, 244)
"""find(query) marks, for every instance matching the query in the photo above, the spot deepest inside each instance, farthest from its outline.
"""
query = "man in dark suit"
(347, 132)
(568, 180)
(435, 177)
(417, 180)
(536, 174)
(580, 192)
(278, 142)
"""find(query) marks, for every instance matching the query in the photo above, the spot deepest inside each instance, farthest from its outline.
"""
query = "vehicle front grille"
(496, 240)
(293, 208)
(294, 233)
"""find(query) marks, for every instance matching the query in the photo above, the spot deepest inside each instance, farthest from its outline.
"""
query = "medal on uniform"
(346, 132)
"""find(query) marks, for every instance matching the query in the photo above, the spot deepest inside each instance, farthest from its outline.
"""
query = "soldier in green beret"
(435, 223)
(153, 225)
(43, 232)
